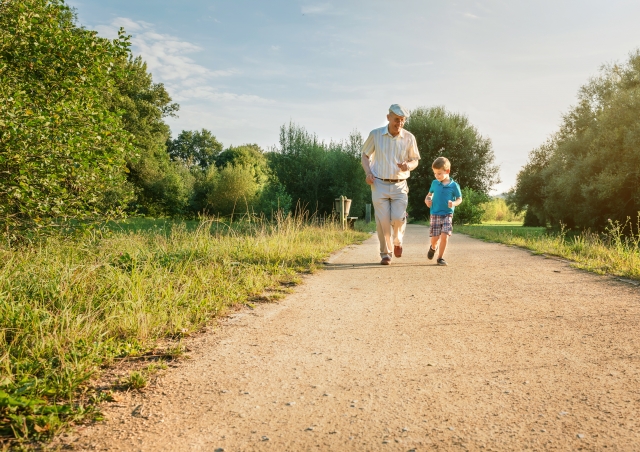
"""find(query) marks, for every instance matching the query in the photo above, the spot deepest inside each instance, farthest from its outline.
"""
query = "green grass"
(609, 253)
(363, 226)
(501, 223)
(70, 306)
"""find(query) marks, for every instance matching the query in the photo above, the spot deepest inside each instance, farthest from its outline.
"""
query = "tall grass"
(71, 305)
(616, 252)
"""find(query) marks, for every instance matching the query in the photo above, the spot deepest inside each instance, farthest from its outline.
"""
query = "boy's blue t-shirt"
(442, 194)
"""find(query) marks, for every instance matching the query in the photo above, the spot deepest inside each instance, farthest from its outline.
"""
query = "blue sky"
(244, 68)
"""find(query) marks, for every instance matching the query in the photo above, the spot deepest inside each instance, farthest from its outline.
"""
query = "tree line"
(83, 135)
(587, 174)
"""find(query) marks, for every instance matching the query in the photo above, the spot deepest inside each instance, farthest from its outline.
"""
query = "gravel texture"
(501, 350)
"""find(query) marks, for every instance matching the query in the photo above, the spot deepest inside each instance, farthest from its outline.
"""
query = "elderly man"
(388, 155)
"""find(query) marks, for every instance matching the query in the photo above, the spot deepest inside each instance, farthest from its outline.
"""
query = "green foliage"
(472, 208)
(614, 252)
(497, 209)
(441, 133)
(247, 155)
(589, 171)
(162, 187)
(231, 190)
(62, 149)
(136, 380)
(240, 182)
(273, 199)
(71, 305)
(169, 192)
(532, 220)
(314, 173)
(529, 191)
(195, 148)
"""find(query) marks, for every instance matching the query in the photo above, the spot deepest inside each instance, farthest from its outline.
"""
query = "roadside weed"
(70, 305)
(616, 252)
(136, 380)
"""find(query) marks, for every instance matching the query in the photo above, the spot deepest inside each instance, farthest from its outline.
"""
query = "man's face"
(441, 174)
(395, 123)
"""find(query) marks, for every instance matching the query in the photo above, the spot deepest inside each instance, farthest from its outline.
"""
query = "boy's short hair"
(441, 163)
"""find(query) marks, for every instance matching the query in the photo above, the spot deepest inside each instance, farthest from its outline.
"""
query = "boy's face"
(441, 174)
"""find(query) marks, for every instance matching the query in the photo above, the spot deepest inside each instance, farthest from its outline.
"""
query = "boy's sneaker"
(431, 252)
(441, 261)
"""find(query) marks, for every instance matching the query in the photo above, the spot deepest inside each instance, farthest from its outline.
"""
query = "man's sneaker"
(441, 261)
(385, 261)
(431, 252)
(397, 250)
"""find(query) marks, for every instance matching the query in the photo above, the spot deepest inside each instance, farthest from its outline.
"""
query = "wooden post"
(367, 214)
(343, 216)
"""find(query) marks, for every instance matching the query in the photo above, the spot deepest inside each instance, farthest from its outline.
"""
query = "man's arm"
(366, 166)
(408, 166)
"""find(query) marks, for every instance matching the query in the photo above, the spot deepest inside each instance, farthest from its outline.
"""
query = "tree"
(62, 150)
(195, 148)
(589, 171)
(314, 173)
(162, 187)
(529, 191)
(247, 155)
(231, 190)
(441, 133)
(472, 208)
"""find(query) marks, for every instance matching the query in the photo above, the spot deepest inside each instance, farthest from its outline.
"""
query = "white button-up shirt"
(386, 151)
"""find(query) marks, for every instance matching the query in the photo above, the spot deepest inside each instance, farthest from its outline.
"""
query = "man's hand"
(450, 204)
(369, 179)
(404, 166)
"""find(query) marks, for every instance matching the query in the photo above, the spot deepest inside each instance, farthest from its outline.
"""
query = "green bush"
(497, 209)
(471, 210)
(62, 148)
(440, 133)
(588, 172)
(231, 190)
(314, 173)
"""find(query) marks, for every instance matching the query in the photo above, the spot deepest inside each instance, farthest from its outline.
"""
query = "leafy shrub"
(442, 133)
(471, 210)
(62, 150)
(497, 209)
(314, 173)
(587, 172)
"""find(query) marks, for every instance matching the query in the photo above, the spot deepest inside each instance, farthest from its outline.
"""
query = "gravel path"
(502, 350)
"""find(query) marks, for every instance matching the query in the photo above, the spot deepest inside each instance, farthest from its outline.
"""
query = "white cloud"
(167, 59)
(321, 8)
(470, 16)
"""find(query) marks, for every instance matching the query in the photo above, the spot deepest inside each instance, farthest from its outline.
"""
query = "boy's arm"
(458, 194)
(429, 199)
(456, 203)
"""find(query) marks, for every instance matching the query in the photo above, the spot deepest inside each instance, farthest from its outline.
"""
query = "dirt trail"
(502, 350)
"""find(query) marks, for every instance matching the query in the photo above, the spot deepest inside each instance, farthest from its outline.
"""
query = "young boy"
(444, 195)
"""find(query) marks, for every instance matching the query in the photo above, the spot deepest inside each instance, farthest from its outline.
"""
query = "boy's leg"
(435, 226)
(444, 239)
(447, 229)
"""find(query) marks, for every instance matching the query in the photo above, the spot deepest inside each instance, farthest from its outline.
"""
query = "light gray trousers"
(390, 203)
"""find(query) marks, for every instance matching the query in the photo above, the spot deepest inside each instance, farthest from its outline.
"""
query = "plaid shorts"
(440, 224)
